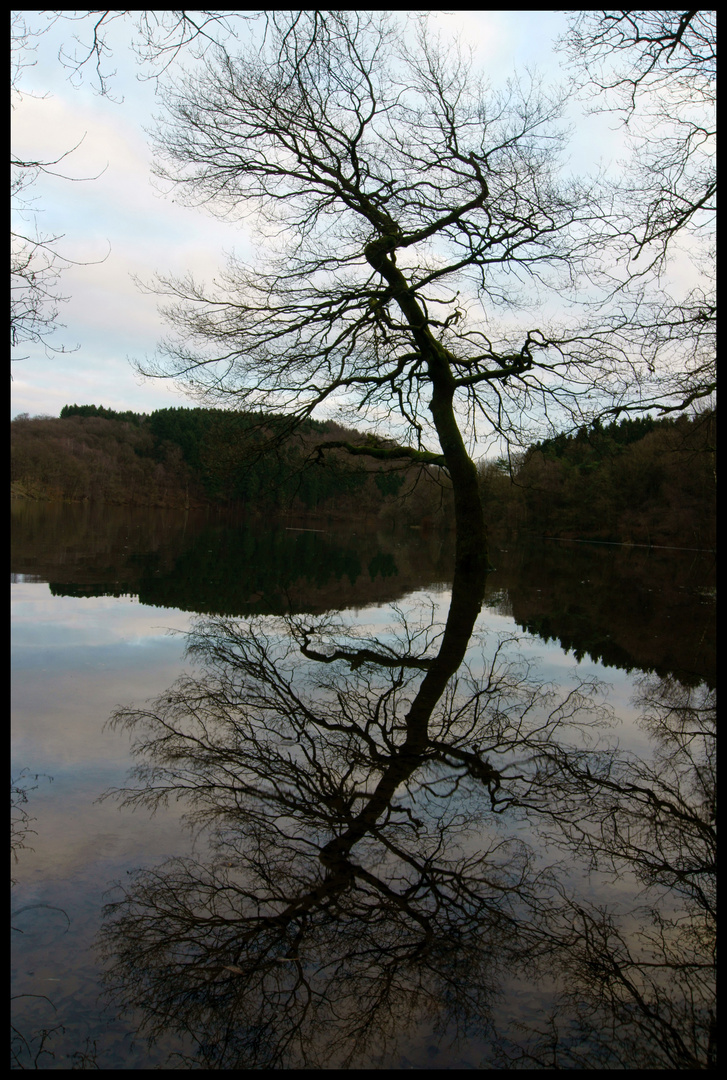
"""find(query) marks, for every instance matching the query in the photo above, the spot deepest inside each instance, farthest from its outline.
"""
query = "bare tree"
(656, 71)
(35, 264)
(405, 207)
(158, 37)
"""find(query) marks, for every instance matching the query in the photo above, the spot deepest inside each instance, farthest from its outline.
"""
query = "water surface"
(462, 920)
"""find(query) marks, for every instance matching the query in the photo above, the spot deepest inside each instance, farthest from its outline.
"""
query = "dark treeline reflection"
(627, 607)
(391, 829)
(630, 608)
(223, 564)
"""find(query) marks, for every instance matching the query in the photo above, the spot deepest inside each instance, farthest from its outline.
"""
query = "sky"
(119, 228)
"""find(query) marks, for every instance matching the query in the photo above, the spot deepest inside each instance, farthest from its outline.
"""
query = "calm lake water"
(380, 822)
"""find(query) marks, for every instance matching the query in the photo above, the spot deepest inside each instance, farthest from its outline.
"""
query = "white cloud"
(114, 227)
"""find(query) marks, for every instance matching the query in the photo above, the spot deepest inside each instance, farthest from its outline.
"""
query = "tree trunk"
(471, 556)
(471, 552)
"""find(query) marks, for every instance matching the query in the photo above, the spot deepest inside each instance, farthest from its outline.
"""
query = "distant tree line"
(638, 480)
(100, 410)
(197, 456)
(641, 480)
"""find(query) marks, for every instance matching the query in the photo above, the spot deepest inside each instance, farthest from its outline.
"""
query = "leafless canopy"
(656, 70)
(416, 218)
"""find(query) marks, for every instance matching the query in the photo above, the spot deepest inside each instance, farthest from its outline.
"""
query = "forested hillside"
(197, 457)
(635, 481)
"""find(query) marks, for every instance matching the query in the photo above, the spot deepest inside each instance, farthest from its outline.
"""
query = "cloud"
(114, 227)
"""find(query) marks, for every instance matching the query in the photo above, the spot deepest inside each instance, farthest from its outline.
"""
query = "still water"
(379, 817)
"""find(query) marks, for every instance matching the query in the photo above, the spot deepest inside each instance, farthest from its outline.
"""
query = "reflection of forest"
(630, 608)
(213, 563)
(366, 873)
(627, 607)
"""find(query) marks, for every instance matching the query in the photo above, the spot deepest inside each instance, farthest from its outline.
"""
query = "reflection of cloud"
(71, 839)
(42, 619)
(73, 660)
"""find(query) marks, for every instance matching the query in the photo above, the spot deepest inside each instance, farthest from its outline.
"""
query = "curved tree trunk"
(471, 553)
(471, 548)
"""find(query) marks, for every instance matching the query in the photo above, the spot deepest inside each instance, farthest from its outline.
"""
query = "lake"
(353, 811)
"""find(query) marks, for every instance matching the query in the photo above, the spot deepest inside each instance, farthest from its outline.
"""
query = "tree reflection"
(639, 987)
(363, 870)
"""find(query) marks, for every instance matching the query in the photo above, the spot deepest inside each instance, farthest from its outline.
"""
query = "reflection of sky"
(75, 659)
(92, 620)
(72, 661)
